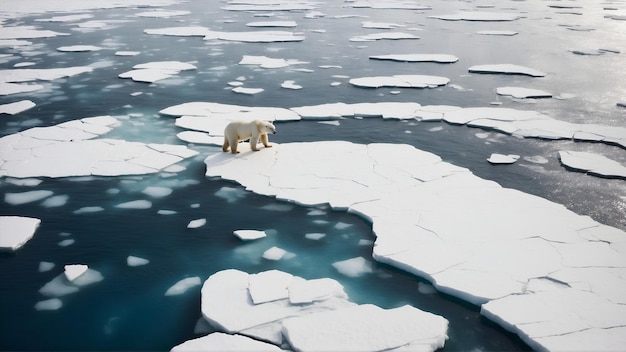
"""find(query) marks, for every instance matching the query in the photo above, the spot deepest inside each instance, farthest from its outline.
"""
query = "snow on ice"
(15, 231)
(593, 164)
(221, 342)
(411, 195)
(151, 72)
(282, 309)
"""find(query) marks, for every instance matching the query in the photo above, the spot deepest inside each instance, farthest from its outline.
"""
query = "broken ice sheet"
(15, 231)
(592, 163)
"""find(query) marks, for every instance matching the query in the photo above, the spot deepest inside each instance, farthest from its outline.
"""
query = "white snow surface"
(16, 107)
(15, 231)
(592, 163)
(151, 72)
(72, 149)
(270, 305)
(400, 81)
(411, 196)
(74, 271)
(249, 235)
(221, 342)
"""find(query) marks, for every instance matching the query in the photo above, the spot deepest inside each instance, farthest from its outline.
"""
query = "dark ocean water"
(128, 310)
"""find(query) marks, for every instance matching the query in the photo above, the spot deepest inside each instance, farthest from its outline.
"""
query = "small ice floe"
(279, 300)
(221, 342)
(246, 37)
(506, 69)
(496, 158)
(127, 53)
(479, 16)
(354, 267)
(183, 286)
(284, 24)
(523, 93)
(49, 304)
(74, 271)
(45, 266)
(276, 253)
(15, 231)
(249, 235)
(247, 91)
(440, 58)
(136, 261)
(66, 242)
(157, 191)
(26, 197)
(155, 71)
(387, 4)
(55, 201)
(400, 81)
(268, 62)
(20, 75)
(315, 236)
(66, 18)
(163, 13)
(290, 85)
(383, 36)
(15, 88)
(593, 164)
(194, 224)
(135, 204)
(78, 48)
(27, 32)
(17, 107)
(88, 210)
(231, 194)
(380, 25)
(498, 32)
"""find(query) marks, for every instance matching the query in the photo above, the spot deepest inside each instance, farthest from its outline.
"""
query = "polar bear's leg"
(225, 145)
(265, 141)
(233, 145)
(254, 140)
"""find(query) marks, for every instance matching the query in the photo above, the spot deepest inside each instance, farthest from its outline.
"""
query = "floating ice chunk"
(479, 16)
(231, 194)
(151, 72)
(183, 286)
(27, 32)
(593, 164)
(275, 253)
(26, 197)
(55, 201)
(400, 81)
(73, 271)
(79, 48)
(388, 4)
(441, 58)
(264, 61)
(248, 91)
(380, 25)
(49, 304)
(522, 93)
(66, 18)
(536, 159)
(199, 138)
(66, 242)
(87, 210)
(135, 204)
(136, 261)
(14, 88)
(249, 235)
(221, 342)
(354, 267)
(498, 32)
(288, 24)
(17, 107)
(15, 231)
(49, 74)
(163, 13)
(506, 69)
(268, 286)
(315, 236)
(367, 328)
(157, 192)
(383, 36)
(194, 224)
(290, 85)
(503, 159)
(45, 266)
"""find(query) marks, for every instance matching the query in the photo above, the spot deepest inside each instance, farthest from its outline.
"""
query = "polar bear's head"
(267, 127)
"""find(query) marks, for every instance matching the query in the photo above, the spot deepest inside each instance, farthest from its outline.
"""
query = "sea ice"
(16, 107)
(32, 74)
(367, 328)
(183, 286)
(246, 37)
(268, 286)
(496, 158)
(440, 58)
(593, 164)
(522, 93)
(248, 91)
(26, 197)
(354, 267)
(221, 342)
(383, 36)
(136, 261)
(194, 224)
(249, 235)
(151, 72)
(498, 32)
(316, 236)
(15, 231)
(400, 81)
(274, 253)
(288, 24)
(135, 204)
(157, 191)
(45, 266)
(74, 271)
(290, 85)
(79, 48)
(479, 16)
(49, 304)
(506, 69)
(163, 13)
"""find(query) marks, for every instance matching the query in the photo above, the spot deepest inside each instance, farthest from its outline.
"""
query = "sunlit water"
(128, 310)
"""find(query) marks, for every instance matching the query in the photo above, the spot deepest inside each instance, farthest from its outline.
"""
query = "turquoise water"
(128, 310)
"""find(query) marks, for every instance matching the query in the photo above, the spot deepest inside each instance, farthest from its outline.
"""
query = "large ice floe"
(151, 72)
(247, 36)
(12, 80)
(72, 149)
(593, 164)
(308, 315)
(567, 271)
(15, 231)
(400, 81)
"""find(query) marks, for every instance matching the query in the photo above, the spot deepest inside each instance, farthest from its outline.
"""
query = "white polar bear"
(241, 130)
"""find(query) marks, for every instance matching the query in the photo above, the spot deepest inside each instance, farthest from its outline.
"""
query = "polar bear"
(241, 130)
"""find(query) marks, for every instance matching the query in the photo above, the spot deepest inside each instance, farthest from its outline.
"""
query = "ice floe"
(49, 304)
(410, 196)
(506, 69)
(183, 286)
(498, 32)
(400, 81)
(72, 149)
(248, 91)
(273, 306)
(221, 342)
(79, 48)
(388, 4)
(383, 36)
(354, 267)
(15, 231)
(136, 261)
(155, 71)
(496, 158)
(74, 271)
(249, 235)
(479, 16)
(17, 107)
(287, 24)
(163, 13)
(26, 197)
(593, 164)
(194, 224)
(522, 93)
(440, 58)
(267, 62)
(246, 37)
(61, 286)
